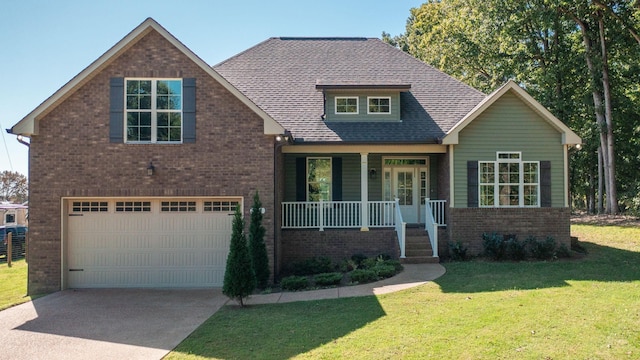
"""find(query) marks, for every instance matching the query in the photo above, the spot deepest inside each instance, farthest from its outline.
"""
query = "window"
(220, 206)
(319, 179)
(153, 111)
(379, 105)
(509, 181)
(178, 206)
(346, 105)
(89, 206)
(133, 206)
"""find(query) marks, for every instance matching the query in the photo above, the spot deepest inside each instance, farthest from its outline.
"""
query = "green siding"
(362, 107)
(350, 175)
(509, 125)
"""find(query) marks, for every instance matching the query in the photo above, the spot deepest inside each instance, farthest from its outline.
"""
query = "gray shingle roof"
(280, 76)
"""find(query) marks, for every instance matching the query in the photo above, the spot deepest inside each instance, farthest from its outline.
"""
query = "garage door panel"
(148, 249)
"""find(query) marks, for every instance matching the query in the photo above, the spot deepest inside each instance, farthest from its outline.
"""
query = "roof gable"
(29, 124)
(568, 136)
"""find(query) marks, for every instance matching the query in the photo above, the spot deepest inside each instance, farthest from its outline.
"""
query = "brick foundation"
(468, 224)
(337, 244)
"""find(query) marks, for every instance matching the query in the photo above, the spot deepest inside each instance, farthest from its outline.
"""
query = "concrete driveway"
(105, 323)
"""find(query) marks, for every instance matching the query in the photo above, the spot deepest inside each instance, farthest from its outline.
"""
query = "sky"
(43, 44)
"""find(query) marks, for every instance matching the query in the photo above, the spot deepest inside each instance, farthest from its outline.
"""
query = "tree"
(13, 187)
(257, 247)
(577, 58)
(239, 277)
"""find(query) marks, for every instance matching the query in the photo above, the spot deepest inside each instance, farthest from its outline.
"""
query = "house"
(353, 146)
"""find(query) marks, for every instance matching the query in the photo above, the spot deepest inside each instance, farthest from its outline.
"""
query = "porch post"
(364, 191)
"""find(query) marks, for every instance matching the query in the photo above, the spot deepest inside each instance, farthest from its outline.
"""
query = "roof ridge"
(346, 38)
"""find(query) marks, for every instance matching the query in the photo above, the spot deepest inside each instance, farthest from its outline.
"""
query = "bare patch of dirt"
(605, 220)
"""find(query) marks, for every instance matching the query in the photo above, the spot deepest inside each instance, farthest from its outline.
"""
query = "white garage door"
(160, 243)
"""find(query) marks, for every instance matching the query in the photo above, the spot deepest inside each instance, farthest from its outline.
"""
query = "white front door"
(405, 189)
(409, 185)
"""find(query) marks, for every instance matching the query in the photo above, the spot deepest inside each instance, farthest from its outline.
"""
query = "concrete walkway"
(413, 275)
(144, 324)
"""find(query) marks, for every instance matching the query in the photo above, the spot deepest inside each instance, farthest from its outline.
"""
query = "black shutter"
(301, 179)
(545, 183)
(472, 184)
(336, 178)
(189, 110)
(116, 110)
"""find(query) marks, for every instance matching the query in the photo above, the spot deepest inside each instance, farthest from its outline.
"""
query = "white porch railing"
(401, 229)
(438, 211)
(431, 226)
(348, 214)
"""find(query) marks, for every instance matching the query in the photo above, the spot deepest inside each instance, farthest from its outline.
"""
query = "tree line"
(579, 58)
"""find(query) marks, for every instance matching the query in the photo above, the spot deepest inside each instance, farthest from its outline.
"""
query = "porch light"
(150, 168)
(286, 137)
(372, 173)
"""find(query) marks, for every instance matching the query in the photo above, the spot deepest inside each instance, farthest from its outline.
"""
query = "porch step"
(420, 260)
(418, 248)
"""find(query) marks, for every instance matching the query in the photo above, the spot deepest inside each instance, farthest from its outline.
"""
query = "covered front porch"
(365, 188)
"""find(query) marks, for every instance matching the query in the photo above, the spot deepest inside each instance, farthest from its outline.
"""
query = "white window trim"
(378, 97)
(496, 182)
(154, 111)
(307, 175)
(335, 105)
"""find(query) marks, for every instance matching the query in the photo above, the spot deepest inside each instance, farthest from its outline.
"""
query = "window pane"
(319, 179)
(486, 195)
(530, 195)
(487, 173)
(163, 134)
(509, 195)
(346, 105)
(379, 105)
(163, 119)
(145, 102)
(133, 102)
(530, 173)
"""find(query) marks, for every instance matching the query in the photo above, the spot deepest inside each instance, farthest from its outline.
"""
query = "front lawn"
(13, 284)
(568, 309)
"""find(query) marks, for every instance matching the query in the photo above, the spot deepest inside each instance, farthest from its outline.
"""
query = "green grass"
(13, 284)
(585, 308)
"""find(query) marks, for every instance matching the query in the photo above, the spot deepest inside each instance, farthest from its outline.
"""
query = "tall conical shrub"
(239, 277)
(257, 247)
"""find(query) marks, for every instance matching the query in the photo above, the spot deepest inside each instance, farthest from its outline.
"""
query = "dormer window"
(379, 105)
(347, 105)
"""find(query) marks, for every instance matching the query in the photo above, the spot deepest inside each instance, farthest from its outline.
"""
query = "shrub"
(457, 251)
(396, 264)
(363, 276)
(384, 270)
(383, 257)
(294, 283)
(348, 265)
(358, 258)
(328, 279)
(239, 277)
(368, 263)
(314, 265)
(515, 249)
(494, 247)
(257, 247)
(543, 249)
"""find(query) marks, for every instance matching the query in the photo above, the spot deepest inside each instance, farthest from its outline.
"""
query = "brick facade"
(468, 224)
(72, 155)
(337, 244)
